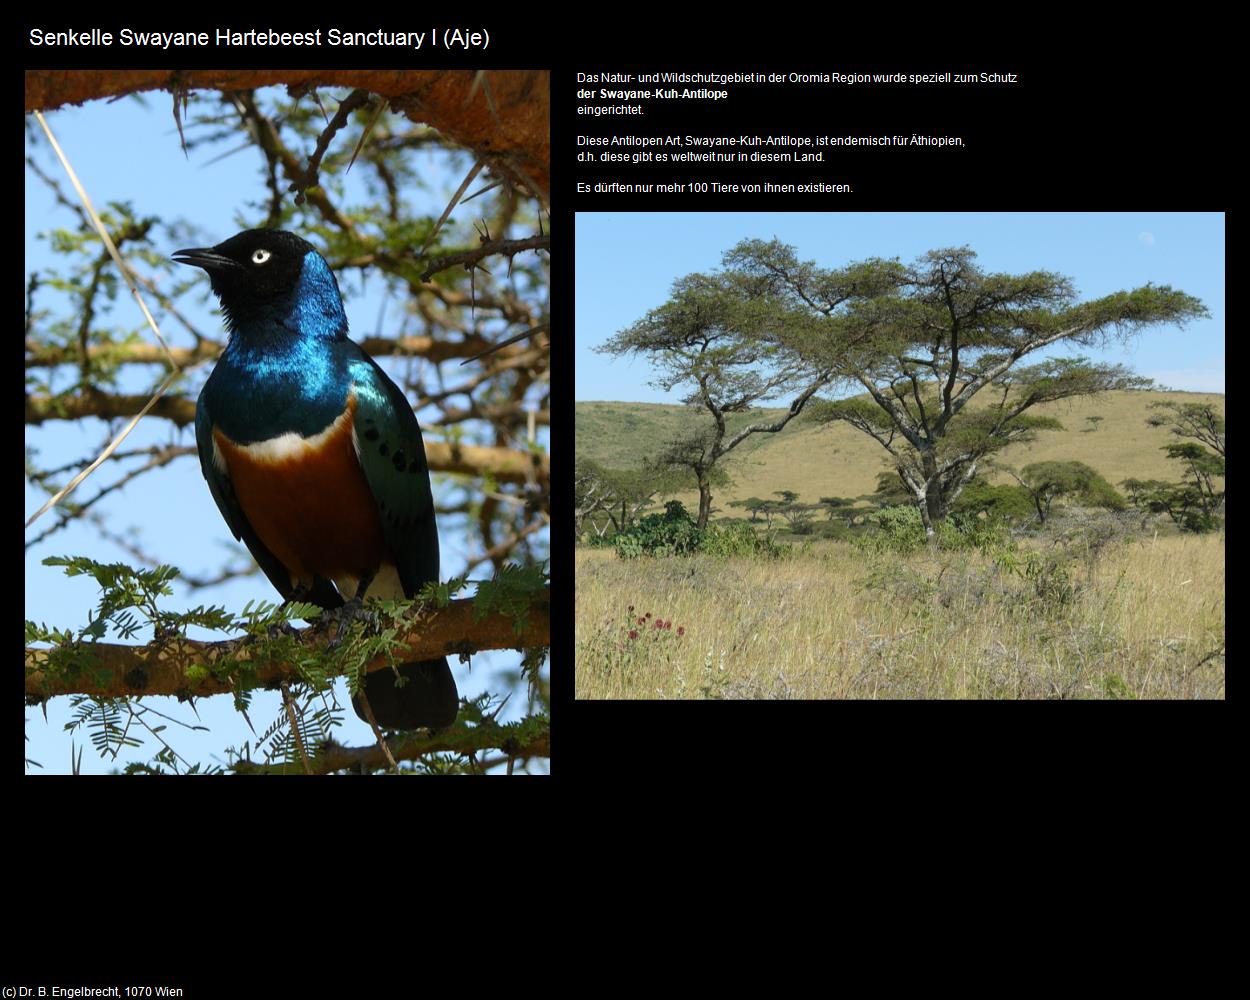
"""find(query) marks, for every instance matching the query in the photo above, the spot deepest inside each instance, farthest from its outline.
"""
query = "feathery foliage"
(924, 339)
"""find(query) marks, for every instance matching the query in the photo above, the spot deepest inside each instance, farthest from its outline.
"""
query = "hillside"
(838, 460)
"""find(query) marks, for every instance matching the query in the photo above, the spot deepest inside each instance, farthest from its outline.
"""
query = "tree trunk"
(705, 502)
(931, 511)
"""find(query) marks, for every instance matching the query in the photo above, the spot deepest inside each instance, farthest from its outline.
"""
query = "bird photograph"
(316, 499)
(288, 423)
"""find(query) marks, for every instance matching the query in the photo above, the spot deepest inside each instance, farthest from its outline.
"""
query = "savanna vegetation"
(1057, 535)
(1087, 615)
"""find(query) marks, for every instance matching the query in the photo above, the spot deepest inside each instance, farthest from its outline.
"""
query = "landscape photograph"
(900, 456)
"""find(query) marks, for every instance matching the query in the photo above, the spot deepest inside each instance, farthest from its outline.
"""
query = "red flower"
(659, 623)
(680, 630)
(633, 634)
(642, 621)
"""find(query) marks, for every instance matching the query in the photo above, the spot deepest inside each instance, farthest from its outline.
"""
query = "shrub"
(967, 531)
(1049, 575)
(834, 530)
(899, 529)
(1004, 503)
(740, 540)
(1047, 481)
(1198, 522)
(672, 533)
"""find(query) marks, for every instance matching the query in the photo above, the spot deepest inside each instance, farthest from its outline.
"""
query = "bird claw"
(346, 616)
(275, 631)
(283, 628)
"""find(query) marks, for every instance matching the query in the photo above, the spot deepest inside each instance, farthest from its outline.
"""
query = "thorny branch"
(160, 668)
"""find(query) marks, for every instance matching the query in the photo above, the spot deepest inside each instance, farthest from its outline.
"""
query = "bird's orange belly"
(308, 501)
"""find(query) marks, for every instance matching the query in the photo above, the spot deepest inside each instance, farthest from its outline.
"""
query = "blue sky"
(626, 264)
(129, 150)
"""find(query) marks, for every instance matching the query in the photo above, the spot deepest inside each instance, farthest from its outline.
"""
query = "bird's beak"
(205, 257)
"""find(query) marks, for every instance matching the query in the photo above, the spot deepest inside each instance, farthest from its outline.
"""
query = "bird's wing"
(323, 593)
(393, 459)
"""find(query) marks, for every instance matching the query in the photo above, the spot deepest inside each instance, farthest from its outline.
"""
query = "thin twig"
(142, 305)
(455, 198)
(73, 483)
(507, 248)
(377, 730)
(290, 714)
(308, 177)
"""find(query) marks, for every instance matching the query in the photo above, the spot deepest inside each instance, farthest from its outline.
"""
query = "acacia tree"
(589, 492)
(935, 334)
(797, 515)
(727, 337)
(695, 453)
(1203, 423)
(1200, 421)
(621, 494)
(841, 507)
(1047, 481)
(1003, 502)
(890, 491)
(1190, 503)
(1201, 467)
(753, 504)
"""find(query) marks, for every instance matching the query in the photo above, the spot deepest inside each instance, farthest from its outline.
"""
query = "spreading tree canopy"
(621, 494)
(1200, 421)
(923, 339)
(1047, 481)
(1201, 466)
(725, 338)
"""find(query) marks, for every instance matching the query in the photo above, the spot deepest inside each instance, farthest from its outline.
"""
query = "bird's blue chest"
(254, 395)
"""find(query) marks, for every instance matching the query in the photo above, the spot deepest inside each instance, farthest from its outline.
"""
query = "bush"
(1001, 503)
(834, 530)
(1198, 522)
(899, 529)
(967, 531)
(672, 533)
(740, 540)
(1049, 575)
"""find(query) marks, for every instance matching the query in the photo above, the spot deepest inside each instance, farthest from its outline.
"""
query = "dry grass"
(1139, 619)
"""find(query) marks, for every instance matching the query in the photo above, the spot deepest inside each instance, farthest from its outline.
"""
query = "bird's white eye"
(260, 256)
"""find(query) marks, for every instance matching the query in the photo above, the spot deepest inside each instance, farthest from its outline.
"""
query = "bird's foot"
(283, 628)
(275, 630)
(346, 616)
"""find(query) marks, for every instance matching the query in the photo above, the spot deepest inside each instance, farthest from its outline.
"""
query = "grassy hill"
(838, 460)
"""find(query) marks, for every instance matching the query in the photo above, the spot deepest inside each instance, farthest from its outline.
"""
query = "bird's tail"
(428, 699)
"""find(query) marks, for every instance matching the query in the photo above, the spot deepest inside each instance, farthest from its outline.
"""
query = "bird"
(314, 455)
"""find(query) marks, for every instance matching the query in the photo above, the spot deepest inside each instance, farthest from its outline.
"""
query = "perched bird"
(314, 455)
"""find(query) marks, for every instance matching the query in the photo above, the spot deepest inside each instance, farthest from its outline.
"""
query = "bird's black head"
(258, 269)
